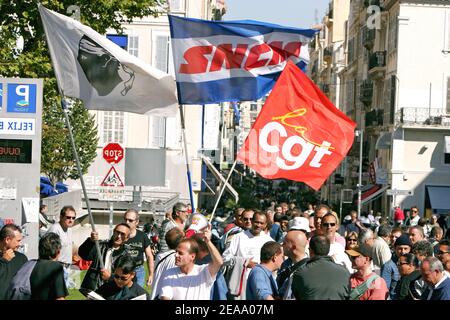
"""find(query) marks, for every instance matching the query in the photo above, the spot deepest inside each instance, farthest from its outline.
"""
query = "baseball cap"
(299, 223)
(358, 251)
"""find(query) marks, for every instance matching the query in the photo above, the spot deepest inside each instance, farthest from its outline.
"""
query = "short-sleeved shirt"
(377, 290)
(136, 247)
(47, 281)
(261, 284)
(196, 285)
(66, 242)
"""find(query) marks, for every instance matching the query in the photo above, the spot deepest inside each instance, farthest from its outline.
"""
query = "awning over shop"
(220, 178)
(373, 193)
(439, 197)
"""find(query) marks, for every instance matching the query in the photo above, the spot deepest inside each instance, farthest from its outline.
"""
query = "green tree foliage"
(20, 20)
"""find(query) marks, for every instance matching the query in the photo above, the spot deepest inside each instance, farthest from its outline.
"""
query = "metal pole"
(111, 217)
(83, 186)
(360, 171)
(188, 172)
(222, 189)
(340, 205)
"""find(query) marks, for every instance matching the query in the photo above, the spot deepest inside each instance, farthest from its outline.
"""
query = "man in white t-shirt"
(63, 229)
(188, 281)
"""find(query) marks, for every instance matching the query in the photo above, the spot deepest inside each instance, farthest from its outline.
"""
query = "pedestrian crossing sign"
(112, 179)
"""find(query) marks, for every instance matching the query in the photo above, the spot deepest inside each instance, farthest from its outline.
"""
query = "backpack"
(20, 286)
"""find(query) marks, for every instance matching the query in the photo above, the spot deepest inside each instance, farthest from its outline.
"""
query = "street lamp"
(360, 133)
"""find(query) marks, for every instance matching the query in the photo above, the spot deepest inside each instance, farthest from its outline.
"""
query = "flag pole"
(83, 186)
(188, 171)
(74, 148)
(222, 190)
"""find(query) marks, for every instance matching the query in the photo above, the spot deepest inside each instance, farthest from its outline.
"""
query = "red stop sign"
(113, 153)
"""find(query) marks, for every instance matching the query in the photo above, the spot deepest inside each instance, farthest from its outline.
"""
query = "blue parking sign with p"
(21, 98)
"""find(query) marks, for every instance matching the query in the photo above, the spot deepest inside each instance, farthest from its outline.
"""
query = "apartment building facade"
(395, 86)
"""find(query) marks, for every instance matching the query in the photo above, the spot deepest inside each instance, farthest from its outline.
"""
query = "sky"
(292, 13)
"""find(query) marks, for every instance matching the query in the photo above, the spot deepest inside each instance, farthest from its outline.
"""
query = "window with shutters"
(158, 132)
(113, 127)
(133, 45)
(176, 5)
(393, 33)
(161, 52)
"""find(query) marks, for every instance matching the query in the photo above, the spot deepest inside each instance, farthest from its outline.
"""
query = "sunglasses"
(120, 234)
(69, 217)
(326, 225)
(123, 278)
(441, 253)
(402, 263)
(129, 220)
(352, 240)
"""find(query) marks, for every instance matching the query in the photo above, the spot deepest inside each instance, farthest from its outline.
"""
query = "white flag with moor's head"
(92, 68)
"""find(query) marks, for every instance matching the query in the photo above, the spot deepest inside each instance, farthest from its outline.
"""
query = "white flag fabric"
(92, 68)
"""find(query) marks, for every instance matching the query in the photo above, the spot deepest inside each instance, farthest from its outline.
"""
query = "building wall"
(427, 27)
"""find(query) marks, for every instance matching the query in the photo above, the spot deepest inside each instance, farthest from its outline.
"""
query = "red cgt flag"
(299, 134)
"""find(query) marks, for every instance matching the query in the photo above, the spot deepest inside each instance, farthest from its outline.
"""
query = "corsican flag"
(219, 61)
(92, 68)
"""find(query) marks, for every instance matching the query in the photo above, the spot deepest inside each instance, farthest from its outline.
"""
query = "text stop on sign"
(113, 153)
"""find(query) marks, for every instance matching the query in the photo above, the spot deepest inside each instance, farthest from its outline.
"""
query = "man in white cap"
(294, 246)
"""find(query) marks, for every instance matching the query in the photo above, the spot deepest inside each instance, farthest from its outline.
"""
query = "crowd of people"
(279, 253)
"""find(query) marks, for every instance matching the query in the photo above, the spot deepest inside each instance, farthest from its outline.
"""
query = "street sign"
(113, 153)
(396, 192)
(111, 194)
(112, 179)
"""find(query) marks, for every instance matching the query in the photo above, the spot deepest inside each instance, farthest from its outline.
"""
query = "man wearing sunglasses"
(443, 254)
(329, 227)
(111, 250)
(415, 217)
(62, 228)
(137, 245)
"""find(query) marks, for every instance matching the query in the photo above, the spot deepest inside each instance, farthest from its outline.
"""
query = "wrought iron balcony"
(366, 92)
(423, 117)
(374, 118)
(377, 64)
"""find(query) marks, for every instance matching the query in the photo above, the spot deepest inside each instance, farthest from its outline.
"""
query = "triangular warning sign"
(112, 179)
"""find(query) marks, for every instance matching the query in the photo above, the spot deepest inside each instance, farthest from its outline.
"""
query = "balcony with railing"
(374, 118)
(366, 92)
(419, 117)
(377, 65)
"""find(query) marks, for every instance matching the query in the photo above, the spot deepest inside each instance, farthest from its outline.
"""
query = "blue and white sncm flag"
(219, 61)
